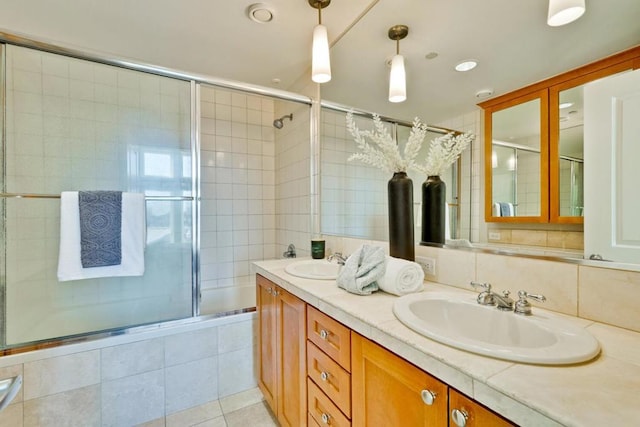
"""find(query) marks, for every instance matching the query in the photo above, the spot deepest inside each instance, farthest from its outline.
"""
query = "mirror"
(353, 195)
(569, 193)
(515, 162)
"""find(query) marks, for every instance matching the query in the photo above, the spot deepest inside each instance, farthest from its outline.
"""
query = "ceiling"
(510, 39)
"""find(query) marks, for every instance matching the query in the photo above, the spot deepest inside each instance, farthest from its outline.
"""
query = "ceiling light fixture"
(466, 65)
(321, 62)
(562, 12)
(397, 76)
(566, 104)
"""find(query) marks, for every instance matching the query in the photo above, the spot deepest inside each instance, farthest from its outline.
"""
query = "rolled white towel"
(401, 277)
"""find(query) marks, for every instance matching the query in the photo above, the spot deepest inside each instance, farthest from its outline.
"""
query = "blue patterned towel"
(100, 228)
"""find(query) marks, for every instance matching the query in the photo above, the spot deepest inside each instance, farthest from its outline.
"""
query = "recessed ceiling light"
(466, 65)
(260, 13)
(431, 55)
(566, 104)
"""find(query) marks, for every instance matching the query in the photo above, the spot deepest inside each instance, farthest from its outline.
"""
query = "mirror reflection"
(515, 161)
(353, 195)
(571, 152)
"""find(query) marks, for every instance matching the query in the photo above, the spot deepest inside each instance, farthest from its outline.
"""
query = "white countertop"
(604, 391)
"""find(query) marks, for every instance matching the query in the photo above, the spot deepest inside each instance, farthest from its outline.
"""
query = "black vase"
(401, 238)
(434, 192)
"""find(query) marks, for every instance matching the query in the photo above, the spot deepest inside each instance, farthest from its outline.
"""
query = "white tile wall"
(292, 189)
(353, 195)
(134, 379)
(238, 210)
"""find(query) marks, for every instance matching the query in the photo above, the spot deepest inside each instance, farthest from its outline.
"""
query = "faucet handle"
(485, 286)
(486, 296)
(523, 306)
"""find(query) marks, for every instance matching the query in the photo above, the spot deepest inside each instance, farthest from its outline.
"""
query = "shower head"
(278, 124)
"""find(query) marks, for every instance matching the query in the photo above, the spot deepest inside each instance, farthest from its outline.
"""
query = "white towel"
(361, 270)
(401, 277)
(133, 239)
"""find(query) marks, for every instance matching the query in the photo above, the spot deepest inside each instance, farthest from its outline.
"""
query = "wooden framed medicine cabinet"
(532, 146)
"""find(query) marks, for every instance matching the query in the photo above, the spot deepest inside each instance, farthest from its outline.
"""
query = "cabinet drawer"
(323, 411)
(330, 336)
(330, 377)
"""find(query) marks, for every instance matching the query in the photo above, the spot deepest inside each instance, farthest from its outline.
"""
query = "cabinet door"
(516, 159)
(476, 414)
(267, 370)
(292, 360)
(389, 391)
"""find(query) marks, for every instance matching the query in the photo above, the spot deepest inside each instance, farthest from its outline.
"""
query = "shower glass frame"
(195, 80)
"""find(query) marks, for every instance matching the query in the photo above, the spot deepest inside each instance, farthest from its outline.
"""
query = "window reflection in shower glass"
(157, 164)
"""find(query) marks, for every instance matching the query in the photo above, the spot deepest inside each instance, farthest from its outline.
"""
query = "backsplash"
(545, 238)
(606, 295)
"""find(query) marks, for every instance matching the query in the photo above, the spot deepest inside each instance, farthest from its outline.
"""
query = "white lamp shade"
(562, 12)
(321, 63)
(397, 80)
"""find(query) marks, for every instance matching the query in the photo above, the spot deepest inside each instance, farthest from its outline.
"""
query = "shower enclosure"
(202, 151)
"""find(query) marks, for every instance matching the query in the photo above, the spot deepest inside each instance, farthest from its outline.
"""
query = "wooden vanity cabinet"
(474, 414)
(389, 391)
(314, 371)
(282, 366)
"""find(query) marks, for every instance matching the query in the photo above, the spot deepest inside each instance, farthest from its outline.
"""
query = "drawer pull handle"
(324, 375)
(325, 418)
(324, 334)
(428, 397)
(459, 417)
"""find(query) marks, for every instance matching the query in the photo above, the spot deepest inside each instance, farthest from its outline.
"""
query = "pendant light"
(321, 63)
(562, 12)
(397, 76)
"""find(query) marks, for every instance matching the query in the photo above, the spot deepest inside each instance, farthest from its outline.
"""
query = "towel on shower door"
(133, 235)
(100, 228)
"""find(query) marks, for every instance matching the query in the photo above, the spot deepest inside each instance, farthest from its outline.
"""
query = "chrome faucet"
(504, 302)
(488, 297)
(290, 252)
(340, 259)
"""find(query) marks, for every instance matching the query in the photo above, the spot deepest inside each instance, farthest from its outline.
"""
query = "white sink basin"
(459, 321)
(318, 269)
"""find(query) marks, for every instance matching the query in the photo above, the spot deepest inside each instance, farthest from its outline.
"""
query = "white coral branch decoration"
(443, 151)
(383, 151)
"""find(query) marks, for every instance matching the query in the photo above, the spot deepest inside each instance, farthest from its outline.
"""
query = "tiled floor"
(239, 410)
